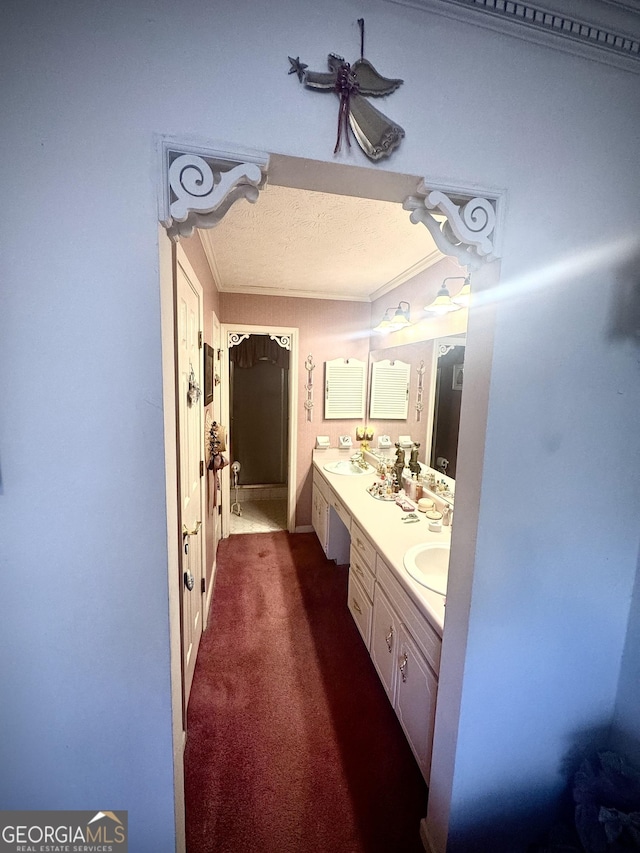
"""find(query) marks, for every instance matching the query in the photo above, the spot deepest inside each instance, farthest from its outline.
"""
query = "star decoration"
(297, 67)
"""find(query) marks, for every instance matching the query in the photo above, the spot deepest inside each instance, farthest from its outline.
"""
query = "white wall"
(85, 673)
(625, 737)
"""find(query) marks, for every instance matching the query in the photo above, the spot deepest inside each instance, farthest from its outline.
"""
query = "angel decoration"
(376, 134)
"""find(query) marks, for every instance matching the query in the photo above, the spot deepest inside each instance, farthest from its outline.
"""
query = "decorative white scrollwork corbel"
(235, 338)
(201, 197)
(467, 233)
(200, 185)
(283, 341)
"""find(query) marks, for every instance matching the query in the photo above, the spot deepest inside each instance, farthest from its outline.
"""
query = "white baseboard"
(304, 528)
(209, 593)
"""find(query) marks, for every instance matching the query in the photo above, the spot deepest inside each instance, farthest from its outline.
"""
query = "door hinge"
(203, 585)
(199, 340)
(219, 354)
(201, 468)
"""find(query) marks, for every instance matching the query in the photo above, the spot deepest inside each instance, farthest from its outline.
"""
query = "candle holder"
(364, 434)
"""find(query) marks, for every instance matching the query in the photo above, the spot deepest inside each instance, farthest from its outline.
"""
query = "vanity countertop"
(382, 522)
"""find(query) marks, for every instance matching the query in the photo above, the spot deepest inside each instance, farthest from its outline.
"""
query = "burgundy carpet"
(292, 744)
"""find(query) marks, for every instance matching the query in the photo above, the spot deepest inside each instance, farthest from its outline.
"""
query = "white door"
(190, 451)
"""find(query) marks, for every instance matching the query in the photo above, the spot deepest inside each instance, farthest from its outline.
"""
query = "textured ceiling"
(316, 244)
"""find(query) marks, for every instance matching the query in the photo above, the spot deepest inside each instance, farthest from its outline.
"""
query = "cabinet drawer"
(320, 484)
(363, 546)
(428, 641)
(340, 508)
(362, 572)
(361, 608)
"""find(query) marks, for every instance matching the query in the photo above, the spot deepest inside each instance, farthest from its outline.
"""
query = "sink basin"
(428, 563)
(347, 467)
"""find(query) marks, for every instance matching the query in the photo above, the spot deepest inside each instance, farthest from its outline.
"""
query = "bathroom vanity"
(400, 620)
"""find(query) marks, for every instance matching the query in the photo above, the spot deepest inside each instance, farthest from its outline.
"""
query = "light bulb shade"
(399, 320)
(385, 325)
(443, 303)
(464, 297)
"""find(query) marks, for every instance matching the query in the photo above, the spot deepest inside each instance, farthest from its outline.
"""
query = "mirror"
(447, 398)
(433, 416)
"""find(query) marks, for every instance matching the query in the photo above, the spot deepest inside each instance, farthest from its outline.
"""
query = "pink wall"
(327, 329)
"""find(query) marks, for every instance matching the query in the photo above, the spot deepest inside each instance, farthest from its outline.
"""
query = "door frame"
(292, 442)
(167, 265)
(182, 206)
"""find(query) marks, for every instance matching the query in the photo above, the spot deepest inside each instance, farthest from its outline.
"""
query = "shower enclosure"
(259, 416)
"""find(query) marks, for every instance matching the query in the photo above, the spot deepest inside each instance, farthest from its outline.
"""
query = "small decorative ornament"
(194, 392)
(377, 135)
(419, 403)
(309, 366)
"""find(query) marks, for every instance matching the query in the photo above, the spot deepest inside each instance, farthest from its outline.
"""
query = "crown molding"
(297, 294)
(412, 271)
(605, 31)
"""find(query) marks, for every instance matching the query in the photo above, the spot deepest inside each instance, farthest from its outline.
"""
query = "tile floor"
(260, 517)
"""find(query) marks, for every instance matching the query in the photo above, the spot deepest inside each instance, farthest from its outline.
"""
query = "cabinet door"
(416, 690)
(384, 641)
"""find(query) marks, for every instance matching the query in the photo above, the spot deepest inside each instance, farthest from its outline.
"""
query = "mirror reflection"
(447, 398)
(436, 373)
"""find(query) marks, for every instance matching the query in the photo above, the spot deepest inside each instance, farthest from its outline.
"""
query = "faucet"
(359, 460)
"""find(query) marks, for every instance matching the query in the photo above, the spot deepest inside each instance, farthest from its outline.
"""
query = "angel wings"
(376, 134)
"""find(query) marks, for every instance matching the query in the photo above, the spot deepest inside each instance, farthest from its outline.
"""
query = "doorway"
(259, 434)
(259, 402)
(363, 184)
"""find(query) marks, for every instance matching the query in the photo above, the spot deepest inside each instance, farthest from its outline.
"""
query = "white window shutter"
(389, 390)
(345, 383)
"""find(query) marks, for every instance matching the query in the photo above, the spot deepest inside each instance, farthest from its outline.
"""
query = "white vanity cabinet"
(402, 643)
(405, 651)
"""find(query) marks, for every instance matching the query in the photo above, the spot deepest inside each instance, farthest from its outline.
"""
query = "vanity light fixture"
(464, 297)
(399, 320)
(443, 303)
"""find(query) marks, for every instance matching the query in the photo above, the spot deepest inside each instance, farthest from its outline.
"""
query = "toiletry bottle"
(412, 487)
(446, 515)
